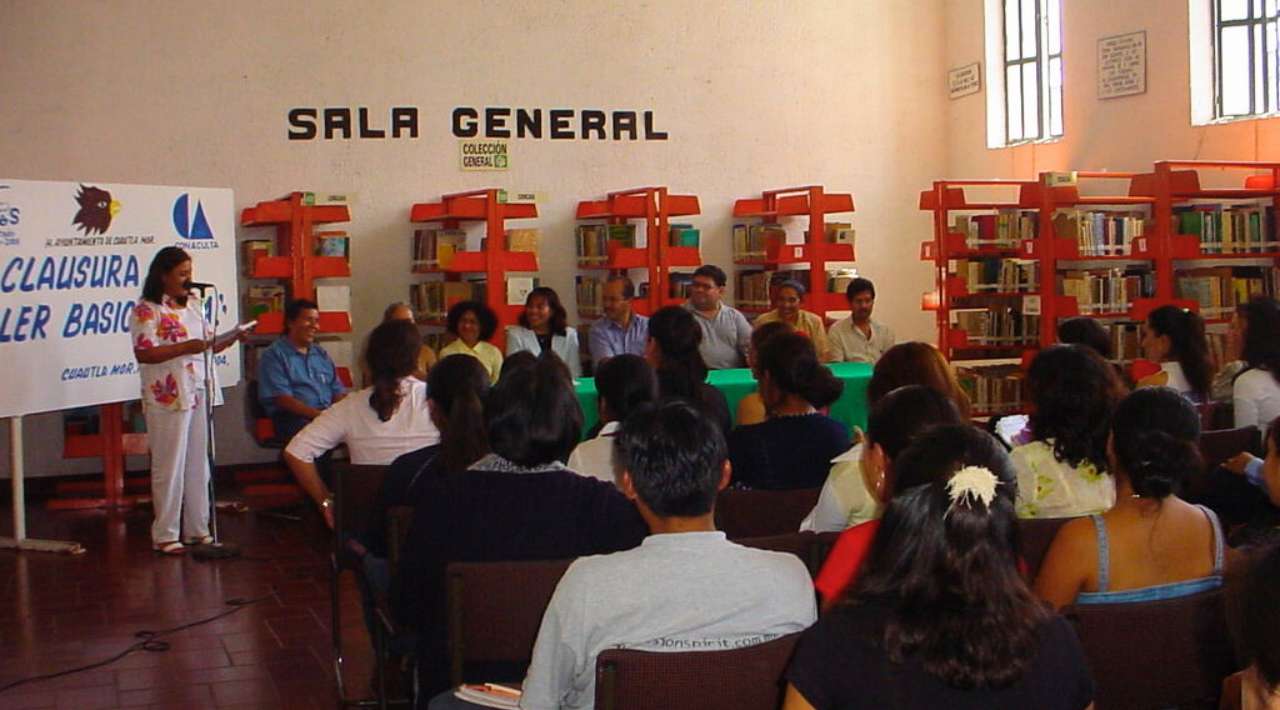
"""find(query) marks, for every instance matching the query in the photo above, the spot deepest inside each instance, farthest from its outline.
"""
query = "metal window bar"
(1040, 61)
(1257, 18)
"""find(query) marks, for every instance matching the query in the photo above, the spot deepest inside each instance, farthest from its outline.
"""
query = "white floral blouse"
(1049, 488)
(171, 384)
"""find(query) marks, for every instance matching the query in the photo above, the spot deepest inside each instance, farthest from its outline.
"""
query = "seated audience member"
(1256, 390)
(621, 331)
(793, 448)
(845, 500)
(684, 588)
(751, 407)
(673, 352)
(472, 323)
(1174, 338)
(897, 419)
(1263, 473)
(1061, 455)
(518, 503)
(940, 616)
(786, 309)
(1151, 545)
(726, 333)
(377, 423)
(858, 338)
(1083, 330)
(426, 356)
(1257, 628)
(623, 383)
(543, 330)
(296, 377)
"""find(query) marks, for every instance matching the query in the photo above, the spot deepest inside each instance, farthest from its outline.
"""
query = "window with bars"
(1033, 69)
(1246, 80)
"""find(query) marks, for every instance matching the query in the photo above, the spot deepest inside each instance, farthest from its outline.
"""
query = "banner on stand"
(73, 258)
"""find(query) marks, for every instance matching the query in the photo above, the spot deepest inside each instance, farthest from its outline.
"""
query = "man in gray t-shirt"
(726, 333)
(686, 588)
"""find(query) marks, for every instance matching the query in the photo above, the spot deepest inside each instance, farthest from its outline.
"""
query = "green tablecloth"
(851, 408)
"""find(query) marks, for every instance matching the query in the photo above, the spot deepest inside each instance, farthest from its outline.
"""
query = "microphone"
(198, 286)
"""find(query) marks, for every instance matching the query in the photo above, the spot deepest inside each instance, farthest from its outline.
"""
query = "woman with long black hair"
(673, 352)
(170, 336)
(1174, 339)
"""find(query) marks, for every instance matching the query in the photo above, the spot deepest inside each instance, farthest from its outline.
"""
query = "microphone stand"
(216, 550)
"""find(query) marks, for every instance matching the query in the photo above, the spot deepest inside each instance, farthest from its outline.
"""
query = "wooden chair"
(1216, 446)
(495, 610)
(1168, 653)
(749, 678)
(1035, 535)
(355, 491)
(742, 513)
(812, 548)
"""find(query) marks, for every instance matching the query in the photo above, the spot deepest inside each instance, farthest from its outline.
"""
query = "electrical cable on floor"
(150, 641)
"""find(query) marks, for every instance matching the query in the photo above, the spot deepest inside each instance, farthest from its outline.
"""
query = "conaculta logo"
(188, 226)
(96, 210)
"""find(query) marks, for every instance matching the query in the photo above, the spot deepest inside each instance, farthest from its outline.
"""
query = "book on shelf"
(1219, 290)
(593, 240)
(684, 235)
(433, 299)
(838, 280)
(333, 299)
(1101, 232)
(1002, 275)
(752, 289)
(254, 249)
(518, 288)
(753, 240)
(680, 285)
(1218, 339)
(1106, 290)
(996, 326)
(1229, 229)
(1002, 230)
(523, 240)
(435, 248)
(263, 299)
(333, 243)
(590, 292)
(993, 389)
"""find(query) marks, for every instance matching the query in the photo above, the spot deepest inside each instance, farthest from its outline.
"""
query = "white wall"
(754, 95)
(1122, 134)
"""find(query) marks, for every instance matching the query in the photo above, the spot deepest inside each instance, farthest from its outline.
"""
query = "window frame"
(1254, 27)
(1042, 60)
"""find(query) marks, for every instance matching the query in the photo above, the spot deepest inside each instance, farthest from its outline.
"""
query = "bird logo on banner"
(96, 210)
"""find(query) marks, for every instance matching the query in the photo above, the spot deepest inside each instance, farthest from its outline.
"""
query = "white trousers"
(179, 471)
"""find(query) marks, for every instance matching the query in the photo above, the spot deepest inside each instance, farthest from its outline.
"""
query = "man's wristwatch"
(327, 503)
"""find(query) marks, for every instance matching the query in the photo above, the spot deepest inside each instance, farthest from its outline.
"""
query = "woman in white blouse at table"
(1256, 390)
(542, 329)
(378, 423)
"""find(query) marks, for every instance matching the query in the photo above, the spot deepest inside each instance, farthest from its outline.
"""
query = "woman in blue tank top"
(1151, 545)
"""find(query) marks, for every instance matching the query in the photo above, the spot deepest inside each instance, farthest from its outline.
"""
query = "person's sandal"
(169, 548)
(206, 540)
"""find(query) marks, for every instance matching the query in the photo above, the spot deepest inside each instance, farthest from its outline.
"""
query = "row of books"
(993, 389)
(435, 249)
(1126, 341)
(1224, 229)
(1106, 290)
(752, 241)
(432, 299)
(333, 243)
(1101, 233)
(590, 296)
(1219, 290)
(1002, 230)
(265, 299)
(754, 289)
(997, 274)
(997, 327)
(593, 240)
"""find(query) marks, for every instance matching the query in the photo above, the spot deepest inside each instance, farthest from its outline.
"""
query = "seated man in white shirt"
(858, 338)
(685, 588)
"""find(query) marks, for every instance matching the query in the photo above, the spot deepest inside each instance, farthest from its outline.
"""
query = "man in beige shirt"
(858, 338)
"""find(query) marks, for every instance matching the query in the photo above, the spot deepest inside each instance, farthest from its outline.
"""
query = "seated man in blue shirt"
(296, 377)
(620, 331)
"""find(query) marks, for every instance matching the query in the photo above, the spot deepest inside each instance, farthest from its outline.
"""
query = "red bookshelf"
(495, 260)
(655, 207)
(296, 261)
(814, 202)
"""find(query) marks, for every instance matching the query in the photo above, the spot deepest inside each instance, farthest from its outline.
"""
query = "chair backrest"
(399, 522)
(495, 609)
(1217, 446)
(763, 513)
(355, 493)
(1168, 653)
(812, 548)
(749, 678)
(1034, 537)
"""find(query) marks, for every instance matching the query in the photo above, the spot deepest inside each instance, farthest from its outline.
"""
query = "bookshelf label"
(1030, 305)
(487, 154)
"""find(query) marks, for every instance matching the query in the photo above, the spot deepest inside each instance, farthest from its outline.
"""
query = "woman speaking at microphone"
(170, 335)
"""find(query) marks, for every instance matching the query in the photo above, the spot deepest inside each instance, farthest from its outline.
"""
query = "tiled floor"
(57, 612)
